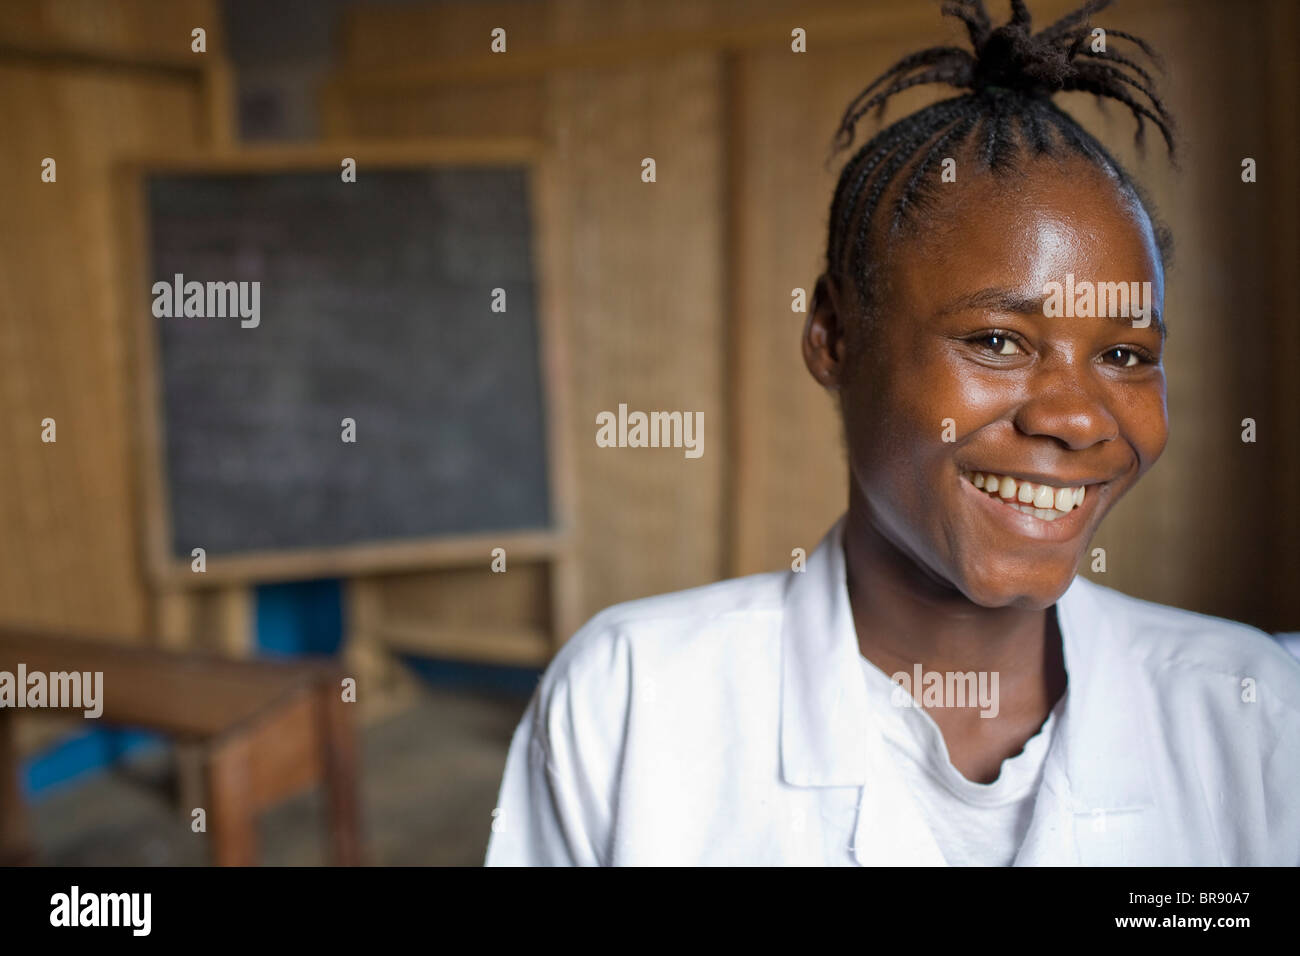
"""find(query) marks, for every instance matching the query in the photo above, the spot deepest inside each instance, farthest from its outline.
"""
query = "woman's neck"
(905, 616)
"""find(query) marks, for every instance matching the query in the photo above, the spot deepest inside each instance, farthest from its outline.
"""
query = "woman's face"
(964, 376)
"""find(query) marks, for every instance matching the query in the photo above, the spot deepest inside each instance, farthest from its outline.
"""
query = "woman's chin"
(1031, 592)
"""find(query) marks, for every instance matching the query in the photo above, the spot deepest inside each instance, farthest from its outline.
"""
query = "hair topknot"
(1012, 57)
(1005, 114)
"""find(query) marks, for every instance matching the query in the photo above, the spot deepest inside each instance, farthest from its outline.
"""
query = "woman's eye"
(1000, 344)
(1124, 358)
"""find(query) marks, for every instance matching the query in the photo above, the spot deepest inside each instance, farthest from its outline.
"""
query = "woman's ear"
(824, 335)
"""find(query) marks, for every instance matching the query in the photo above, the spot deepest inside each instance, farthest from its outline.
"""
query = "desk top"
(181, 693)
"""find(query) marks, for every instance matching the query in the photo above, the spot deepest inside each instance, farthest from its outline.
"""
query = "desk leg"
(14, 847)
(232, 814)
(338, 740)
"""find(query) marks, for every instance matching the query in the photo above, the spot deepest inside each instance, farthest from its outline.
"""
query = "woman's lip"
(1036, 478)
(1064, 528)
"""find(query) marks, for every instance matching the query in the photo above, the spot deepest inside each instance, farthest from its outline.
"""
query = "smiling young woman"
(989, 432)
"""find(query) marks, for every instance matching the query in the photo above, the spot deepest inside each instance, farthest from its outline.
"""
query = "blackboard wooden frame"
(552, 545)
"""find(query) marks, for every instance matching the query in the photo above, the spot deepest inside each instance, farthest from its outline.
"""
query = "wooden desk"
(267, 730)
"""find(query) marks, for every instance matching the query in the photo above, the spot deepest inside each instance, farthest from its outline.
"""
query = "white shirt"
(730, 724)
(974, 824)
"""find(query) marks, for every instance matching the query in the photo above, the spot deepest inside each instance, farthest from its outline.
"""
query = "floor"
(429, 784)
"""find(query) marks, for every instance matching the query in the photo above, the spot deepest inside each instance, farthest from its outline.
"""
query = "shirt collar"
(1105, 750)
(825, 712)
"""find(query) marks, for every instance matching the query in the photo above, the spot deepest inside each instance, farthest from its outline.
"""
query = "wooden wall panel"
(506, 108)
(1281, 65)
(122, 31)
(379, 36)
(790, 474)
(644, 280)
(69, 555)
(646, 317)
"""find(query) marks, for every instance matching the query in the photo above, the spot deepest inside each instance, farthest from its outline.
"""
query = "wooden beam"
(831, 25)
(69, 57)
(519, 646)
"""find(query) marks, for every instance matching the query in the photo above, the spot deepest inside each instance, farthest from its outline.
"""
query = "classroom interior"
(677, 294)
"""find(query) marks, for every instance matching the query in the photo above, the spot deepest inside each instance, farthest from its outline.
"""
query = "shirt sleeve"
(546, 813)
(558, 796)
(1280, 823)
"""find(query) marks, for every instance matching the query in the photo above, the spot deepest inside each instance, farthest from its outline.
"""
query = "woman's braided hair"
(1012, 75)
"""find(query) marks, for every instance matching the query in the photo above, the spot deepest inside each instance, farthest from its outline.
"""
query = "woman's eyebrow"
(1011, 301)
(998, 300)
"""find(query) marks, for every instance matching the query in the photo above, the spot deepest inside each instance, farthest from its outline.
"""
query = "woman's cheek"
(1145, 419)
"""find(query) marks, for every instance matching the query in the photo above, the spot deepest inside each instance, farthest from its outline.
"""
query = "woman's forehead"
(1025, 228)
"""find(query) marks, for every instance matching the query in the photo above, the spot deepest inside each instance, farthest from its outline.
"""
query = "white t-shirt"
(975, 824)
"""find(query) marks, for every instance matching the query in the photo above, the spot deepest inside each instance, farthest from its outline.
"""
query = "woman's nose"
(1066, 403)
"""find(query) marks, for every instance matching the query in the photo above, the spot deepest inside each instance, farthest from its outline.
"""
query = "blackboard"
(375, 304)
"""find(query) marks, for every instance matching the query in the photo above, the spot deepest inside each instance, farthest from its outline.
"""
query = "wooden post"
(15, 850)
(232, 624)
(232, 811)
(339, 759)
(384, 687)
(173, 619)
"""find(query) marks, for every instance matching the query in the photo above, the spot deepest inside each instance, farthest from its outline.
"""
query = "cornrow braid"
(1011, 75)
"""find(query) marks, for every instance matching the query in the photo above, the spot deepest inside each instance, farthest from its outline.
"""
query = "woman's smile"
(1042, 500)
(1031, 509)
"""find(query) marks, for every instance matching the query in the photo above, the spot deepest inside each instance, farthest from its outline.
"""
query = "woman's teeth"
(1041, 501)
